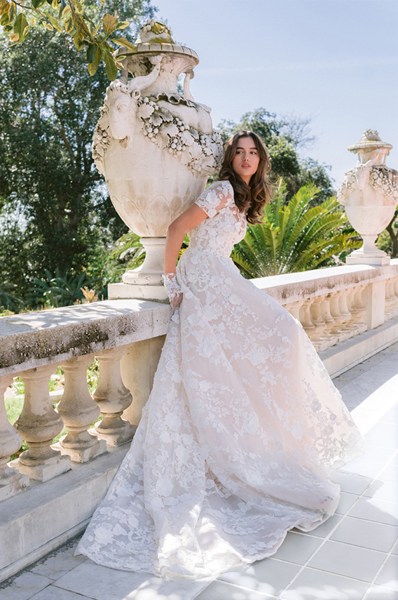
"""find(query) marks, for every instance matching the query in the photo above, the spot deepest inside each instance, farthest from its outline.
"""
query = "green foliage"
(296, 236)
(93, 27)
(61, 289)
(54, 211)
(388, 239)
(284, 138)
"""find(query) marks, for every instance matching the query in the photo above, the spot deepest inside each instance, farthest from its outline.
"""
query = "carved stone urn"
(369, 193)
(155, 147)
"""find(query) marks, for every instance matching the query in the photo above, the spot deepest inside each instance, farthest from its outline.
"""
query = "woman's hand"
(173, 289)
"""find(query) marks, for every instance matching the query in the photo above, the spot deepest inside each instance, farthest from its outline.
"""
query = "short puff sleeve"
(216, 197)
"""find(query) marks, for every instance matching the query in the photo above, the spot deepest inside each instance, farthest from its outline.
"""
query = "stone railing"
(349, 313)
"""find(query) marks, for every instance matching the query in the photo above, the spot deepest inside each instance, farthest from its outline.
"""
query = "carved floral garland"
(199, 151)
(380, 177)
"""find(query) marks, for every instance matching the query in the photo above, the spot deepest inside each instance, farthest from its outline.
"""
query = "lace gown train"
(240, 433)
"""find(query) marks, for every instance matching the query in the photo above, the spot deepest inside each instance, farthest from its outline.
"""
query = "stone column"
(113, 398)
(78, 411)
(39, 423)
(375, 297)
(11, 482)
(138, 367)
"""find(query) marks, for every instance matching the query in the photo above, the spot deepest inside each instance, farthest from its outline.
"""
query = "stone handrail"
(349, 313)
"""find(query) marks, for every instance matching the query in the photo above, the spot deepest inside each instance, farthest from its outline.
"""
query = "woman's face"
(246, 159)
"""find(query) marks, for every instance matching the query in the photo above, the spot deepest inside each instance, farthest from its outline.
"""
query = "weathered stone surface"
(51, 336)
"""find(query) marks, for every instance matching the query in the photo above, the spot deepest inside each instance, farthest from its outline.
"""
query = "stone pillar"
(39, 423)
(138, 368)
(78, 411)
(11, 482)
(113, 398)
(374, 297)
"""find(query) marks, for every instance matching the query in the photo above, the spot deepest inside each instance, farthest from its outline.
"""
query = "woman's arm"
(188, 220)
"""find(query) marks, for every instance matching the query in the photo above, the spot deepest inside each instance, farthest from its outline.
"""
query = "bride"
(243, 426)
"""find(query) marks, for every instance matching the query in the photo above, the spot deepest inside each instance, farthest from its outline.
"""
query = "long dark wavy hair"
(251, 197)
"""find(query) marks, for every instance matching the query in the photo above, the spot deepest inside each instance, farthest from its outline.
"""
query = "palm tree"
(295, 236)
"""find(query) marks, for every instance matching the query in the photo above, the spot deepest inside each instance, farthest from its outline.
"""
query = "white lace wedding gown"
(240, 432)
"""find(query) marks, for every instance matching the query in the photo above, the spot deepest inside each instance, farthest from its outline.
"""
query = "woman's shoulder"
(221, 184)
(216, 196)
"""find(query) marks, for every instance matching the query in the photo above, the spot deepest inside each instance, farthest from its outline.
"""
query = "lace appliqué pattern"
(240, 433)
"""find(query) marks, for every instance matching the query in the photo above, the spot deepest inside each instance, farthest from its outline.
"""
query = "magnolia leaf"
(93, 66)
(91, 51)
(54, 4)
(68, 26)
(123, 24)
(111, 69)
(21, 26)
(54, 23)
(66, 12)
(4, 7)
(77, 40)
(122, 41)
(37, 3)
(48, 26)
(109, 23)
(14, 37)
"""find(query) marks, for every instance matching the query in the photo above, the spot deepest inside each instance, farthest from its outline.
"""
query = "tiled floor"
(353, 556)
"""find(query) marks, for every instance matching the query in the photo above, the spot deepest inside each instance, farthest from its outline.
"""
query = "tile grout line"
(327, 538)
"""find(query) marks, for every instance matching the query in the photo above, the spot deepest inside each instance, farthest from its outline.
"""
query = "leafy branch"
(99, 36)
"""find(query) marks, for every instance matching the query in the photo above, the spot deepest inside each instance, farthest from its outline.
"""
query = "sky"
(332, 61)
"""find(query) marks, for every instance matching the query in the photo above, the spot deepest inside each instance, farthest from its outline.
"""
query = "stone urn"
(155, 147)
(369, 193)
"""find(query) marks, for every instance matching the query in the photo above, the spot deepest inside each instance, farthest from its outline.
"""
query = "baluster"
(294, 308)
(357, 309)
(113, 398)
(138, 367)
(11, 481)
(306, 318)
(319, 336)
(78, 411)
(39, 423)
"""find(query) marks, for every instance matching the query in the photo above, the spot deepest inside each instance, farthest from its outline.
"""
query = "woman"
(243, 424)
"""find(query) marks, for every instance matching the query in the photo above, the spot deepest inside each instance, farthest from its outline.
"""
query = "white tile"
(395, 549)
(352, 482)
(346, 503)
(367, 534)
(379, 592)
(223, 591)
(383, 490)
(350, 561)
(23, 586)
(268, 576)
(324, 530)
(58, 563)
(312, 584)
(55, 593)
(373, 509)
(388, 576)
(298, 548)
(390, 473)
(100, 583)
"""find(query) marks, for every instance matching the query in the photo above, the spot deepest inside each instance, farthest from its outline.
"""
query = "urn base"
(117, 291)
(371, 258)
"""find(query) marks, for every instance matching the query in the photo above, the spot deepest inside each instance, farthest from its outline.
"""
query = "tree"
(284, 137)
(94, 27)
(296, 236)
(63, 221)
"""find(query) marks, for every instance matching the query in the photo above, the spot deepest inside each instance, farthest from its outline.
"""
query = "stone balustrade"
(349, 312)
